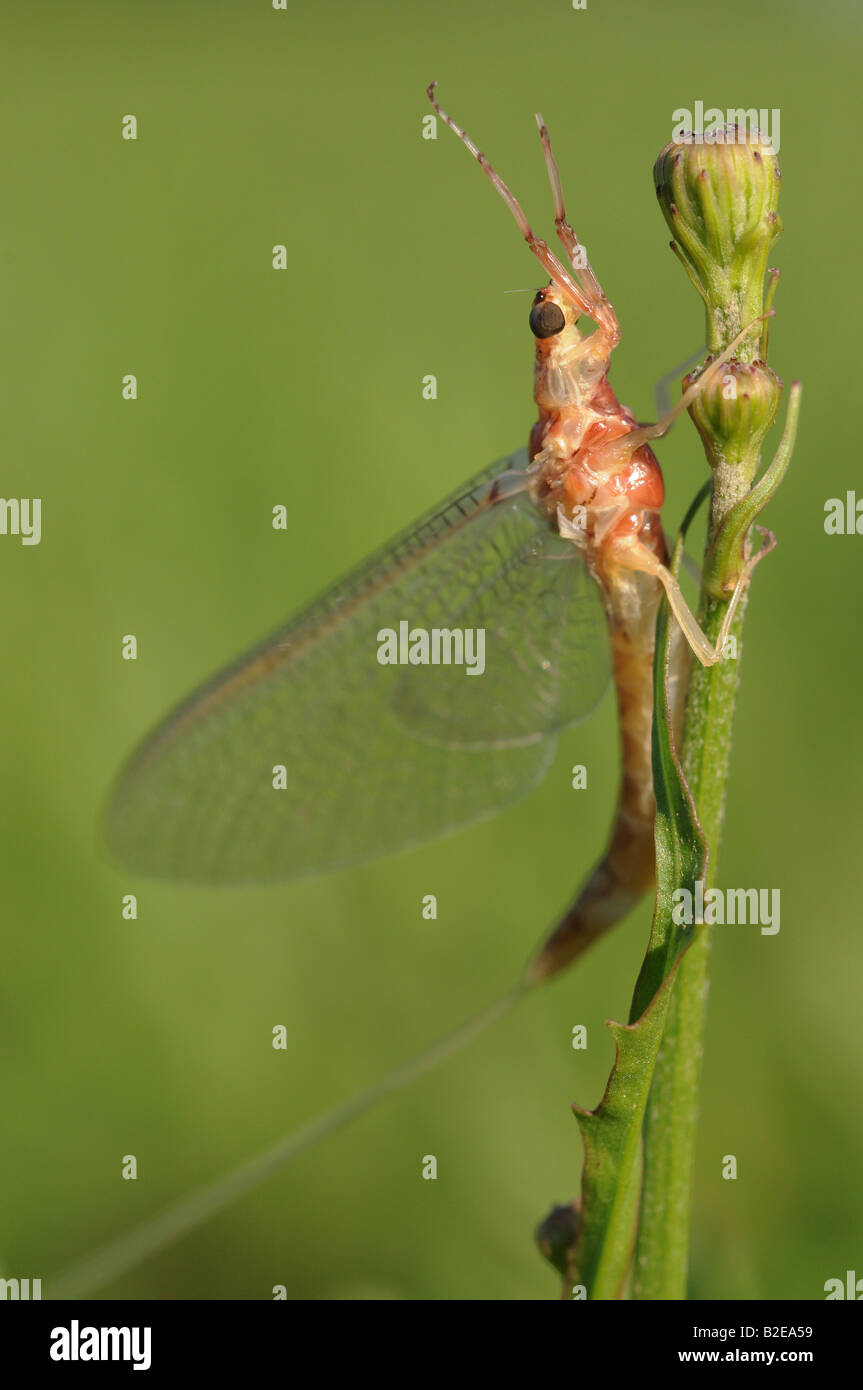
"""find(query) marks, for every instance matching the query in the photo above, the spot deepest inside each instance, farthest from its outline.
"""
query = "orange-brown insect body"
(597, 480)
(579, 416)
(615, 497)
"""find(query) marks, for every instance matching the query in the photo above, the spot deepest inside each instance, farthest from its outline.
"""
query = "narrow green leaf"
(611, 1179)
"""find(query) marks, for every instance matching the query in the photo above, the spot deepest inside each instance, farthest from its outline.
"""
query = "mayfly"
(309, 754)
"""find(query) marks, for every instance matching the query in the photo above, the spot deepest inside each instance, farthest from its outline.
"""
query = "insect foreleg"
(621, 450)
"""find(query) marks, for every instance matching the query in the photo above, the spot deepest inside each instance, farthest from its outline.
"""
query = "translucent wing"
(528, 614)
(377, 757)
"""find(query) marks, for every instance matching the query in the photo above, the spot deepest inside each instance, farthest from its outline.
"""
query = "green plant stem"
(661, 1260)
(720, 202)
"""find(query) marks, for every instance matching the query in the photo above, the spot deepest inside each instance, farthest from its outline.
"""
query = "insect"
(311, 752)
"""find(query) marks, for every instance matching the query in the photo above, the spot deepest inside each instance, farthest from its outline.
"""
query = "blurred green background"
(303, 387)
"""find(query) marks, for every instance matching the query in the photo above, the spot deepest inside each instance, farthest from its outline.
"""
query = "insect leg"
(543, 252)
(633, 554)
(694, 390)
(622, 449)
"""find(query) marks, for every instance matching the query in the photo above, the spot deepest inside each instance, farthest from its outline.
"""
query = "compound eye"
(546, 319)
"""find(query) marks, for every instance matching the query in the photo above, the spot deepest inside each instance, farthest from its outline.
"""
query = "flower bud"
(719, 197)
(734, 414)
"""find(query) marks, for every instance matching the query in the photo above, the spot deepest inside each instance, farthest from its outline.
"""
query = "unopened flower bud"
(734, 414)
(719, 198)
